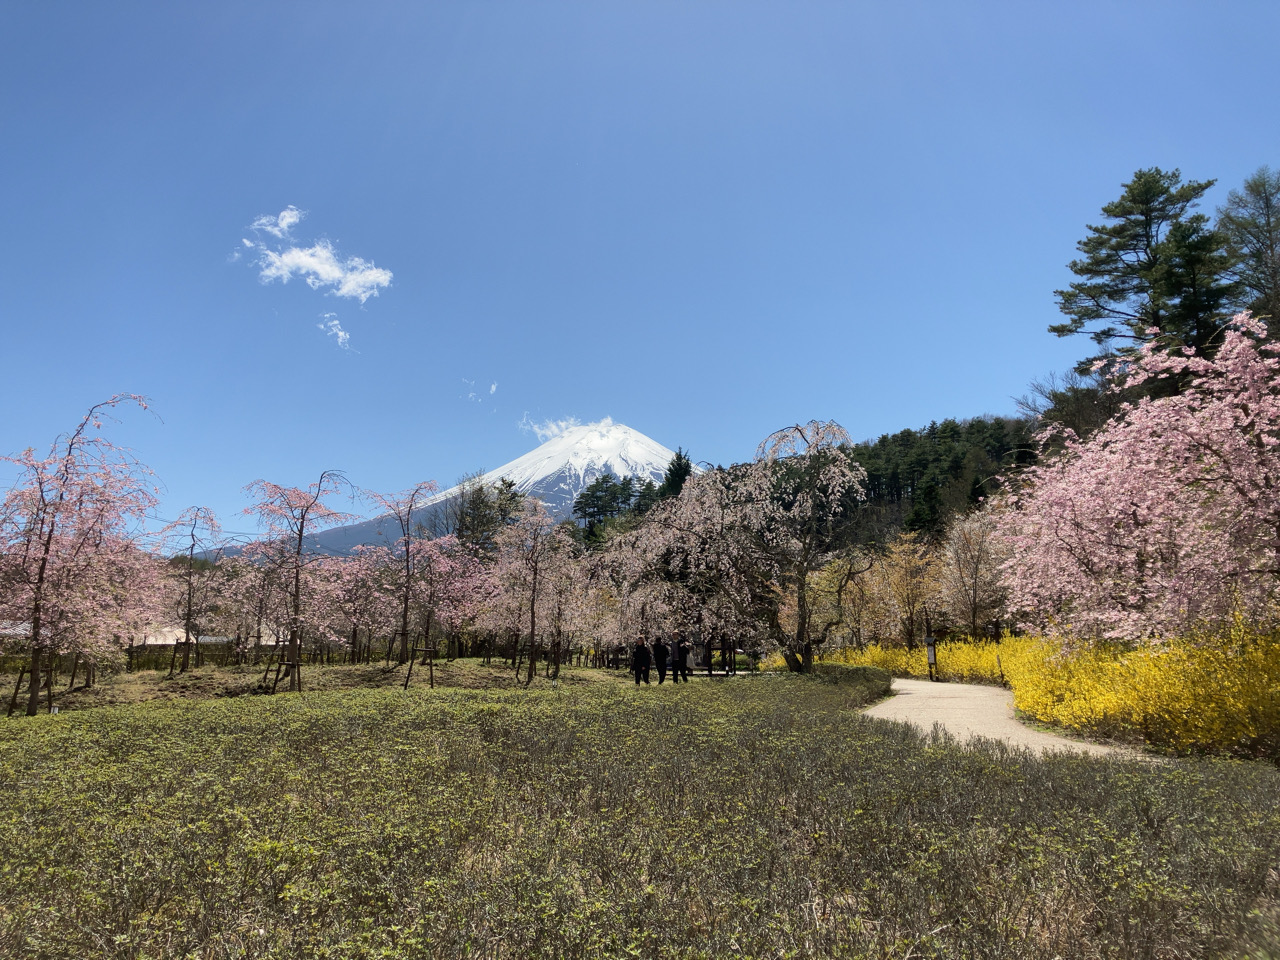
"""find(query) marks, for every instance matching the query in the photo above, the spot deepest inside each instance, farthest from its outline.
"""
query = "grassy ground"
(203, 683)
(762, 817)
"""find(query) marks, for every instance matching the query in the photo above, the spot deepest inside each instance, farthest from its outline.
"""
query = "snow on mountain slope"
(555, 473)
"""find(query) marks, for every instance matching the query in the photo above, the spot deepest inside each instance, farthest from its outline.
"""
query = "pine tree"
(1251, 221)
(645, 498)
(678, 471)
(1154, 265)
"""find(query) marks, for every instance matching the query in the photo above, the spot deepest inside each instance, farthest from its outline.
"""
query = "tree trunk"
(33, 688)
(802, 624)
(402, 654)
(293, 658)
(13, 701)
(294, 649)
(426, 635)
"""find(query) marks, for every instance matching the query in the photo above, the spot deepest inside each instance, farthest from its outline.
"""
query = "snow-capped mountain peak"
(555, 472)
(558, 470)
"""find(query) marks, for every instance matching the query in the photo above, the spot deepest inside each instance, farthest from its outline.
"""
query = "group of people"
(677, 654)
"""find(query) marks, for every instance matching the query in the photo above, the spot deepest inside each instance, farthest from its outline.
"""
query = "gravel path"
(967, 710)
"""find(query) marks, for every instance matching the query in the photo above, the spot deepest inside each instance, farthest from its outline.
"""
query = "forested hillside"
(918, 479)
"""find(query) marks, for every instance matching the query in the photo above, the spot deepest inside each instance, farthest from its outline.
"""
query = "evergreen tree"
(646, 497)
(1153, 265)
(607, 505)
(678, 471)
(598, 501)
(479, 511)
(919, 479)
(1251, 221)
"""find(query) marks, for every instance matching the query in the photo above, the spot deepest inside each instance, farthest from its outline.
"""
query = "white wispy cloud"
(547, 429)
(320, 266)
(493, 388)
(279, 226)
(333, 328)
(317, 265)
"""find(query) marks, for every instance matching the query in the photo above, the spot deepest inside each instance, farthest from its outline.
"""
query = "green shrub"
(753, 818)
(873, 680)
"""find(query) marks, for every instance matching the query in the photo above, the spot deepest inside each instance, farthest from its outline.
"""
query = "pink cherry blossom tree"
(251, 597)
(498, 606)
(1166, 521)
(289, 514)
(565, 605)
(753, 534)
(525, 549)
(402, 508)
(70, 530)
(364, 597)
(969, 572)
(445, 585)
(195, 577)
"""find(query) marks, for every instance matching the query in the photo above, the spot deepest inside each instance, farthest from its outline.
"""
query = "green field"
(758, 817)
(203, 683)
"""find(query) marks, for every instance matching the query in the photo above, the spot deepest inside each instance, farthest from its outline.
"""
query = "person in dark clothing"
(661, 653)
(640, 661)
(683, 651)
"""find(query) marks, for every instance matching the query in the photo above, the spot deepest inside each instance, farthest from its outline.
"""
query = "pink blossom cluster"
(1167, 521)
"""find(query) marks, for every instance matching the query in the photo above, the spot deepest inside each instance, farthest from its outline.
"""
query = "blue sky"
(705, 220)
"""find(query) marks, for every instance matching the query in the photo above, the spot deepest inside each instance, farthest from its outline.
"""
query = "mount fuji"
(555, 473)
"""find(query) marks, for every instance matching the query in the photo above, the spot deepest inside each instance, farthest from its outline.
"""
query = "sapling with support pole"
(292, 670)
(428, 650)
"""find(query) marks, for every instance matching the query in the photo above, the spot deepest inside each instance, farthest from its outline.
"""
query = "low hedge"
(872, 679)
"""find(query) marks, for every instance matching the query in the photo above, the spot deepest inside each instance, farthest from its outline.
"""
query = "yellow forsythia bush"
(1184, 695)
